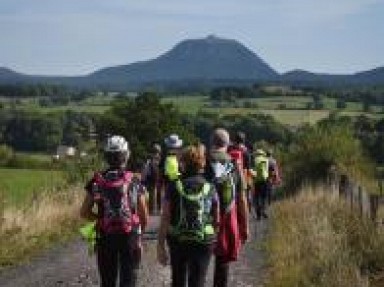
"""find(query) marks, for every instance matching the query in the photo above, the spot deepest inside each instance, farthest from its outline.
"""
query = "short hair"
(220, 138)
(239, 138)
(193, 158)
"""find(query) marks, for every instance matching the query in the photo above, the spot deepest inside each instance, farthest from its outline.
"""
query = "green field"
(21, 185)
(188, 104)
(293, 113)
(290, 110)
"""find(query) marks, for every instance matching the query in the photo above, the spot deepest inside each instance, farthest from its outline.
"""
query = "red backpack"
(116, 196)
(237, 156)
(228, 238)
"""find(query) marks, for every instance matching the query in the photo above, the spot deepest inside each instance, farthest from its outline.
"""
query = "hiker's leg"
(107, 261)
(178, 254)
(258, 199)
(220, 278)
(159, 194)
(129, 261)
(269, 192)
(198, 263)
(264, 199)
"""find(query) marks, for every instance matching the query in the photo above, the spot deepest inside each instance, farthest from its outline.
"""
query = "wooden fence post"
(343, 185)
(360, 200)
(373, 199)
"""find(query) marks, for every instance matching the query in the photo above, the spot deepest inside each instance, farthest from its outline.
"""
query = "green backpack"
(261, 168)
(171, 167)
(193, 220)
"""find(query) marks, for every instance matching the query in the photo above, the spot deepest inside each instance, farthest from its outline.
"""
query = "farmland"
(18, 186)
(291, 110)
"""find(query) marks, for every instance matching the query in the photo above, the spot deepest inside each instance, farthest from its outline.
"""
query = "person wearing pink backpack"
(121, 216)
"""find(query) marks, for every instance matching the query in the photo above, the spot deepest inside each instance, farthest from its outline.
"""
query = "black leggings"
(118, 254)
(189, 261)
(261, 198)
(220, 278)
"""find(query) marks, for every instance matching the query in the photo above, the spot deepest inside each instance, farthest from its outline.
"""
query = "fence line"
(367, 204)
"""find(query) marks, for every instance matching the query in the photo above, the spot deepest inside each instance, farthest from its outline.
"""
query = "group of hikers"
(204, 196)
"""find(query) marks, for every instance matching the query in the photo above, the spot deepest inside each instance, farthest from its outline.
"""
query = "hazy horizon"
(77, 37)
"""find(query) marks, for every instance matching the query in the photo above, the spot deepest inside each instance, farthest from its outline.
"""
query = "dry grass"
(49, 218)
(317, 241)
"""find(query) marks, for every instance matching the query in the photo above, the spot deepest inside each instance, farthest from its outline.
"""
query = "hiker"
(150, 178)
(274, 178)
(189, 220)
(170, 161)
(260, 175)
(121, 216)
(240, 153)
(233, 231)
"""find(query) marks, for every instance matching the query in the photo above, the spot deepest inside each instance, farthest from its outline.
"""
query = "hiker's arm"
(86, 208)
(162, 254)
(216, 212)
(244, 213)
(243, 207)
(164, 223)
(142, 210)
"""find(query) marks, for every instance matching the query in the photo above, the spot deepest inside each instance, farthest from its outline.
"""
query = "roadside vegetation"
(318, 241)
(49, 218)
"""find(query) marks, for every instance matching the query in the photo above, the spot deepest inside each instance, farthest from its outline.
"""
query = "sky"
(77, 37)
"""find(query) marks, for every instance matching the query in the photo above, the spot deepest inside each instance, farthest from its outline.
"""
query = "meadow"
(290, 110)
(19, 186)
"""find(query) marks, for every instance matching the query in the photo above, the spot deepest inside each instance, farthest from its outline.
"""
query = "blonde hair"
(193, 158)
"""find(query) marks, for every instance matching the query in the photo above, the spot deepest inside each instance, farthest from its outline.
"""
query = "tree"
(142, 121)
(341, 104)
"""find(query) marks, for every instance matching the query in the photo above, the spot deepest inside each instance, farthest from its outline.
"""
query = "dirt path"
(69, 265)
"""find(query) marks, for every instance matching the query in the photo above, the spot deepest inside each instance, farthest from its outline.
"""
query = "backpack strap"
(194, 197)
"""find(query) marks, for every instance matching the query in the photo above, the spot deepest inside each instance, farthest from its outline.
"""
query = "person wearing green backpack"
(260, 178)
(189, 221)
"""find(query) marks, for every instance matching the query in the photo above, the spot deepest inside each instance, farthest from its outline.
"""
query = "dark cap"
(239, 138)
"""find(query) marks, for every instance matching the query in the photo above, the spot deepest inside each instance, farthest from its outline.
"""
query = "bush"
(318, 149)
(80, 169)
(6, 153)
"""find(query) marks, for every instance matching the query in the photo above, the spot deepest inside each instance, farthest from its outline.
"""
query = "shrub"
(318, 149)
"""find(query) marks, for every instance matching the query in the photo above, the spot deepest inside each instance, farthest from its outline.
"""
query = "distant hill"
(371, 77)
(206, 62)
(205, 59)
(9, 76)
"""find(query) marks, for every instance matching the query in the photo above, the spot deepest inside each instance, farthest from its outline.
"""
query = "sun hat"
(173, 141)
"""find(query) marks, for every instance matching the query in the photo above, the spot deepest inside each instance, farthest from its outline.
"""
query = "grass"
(52, 217)
(18, 186)
(318, 241)
(188, 104)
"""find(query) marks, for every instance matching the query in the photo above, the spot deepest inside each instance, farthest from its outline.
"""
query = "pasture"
(18, 186)
(291, 110)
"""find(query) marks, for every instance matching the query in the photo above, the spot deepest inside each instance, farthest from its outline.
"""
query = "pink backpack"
(116, 196)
